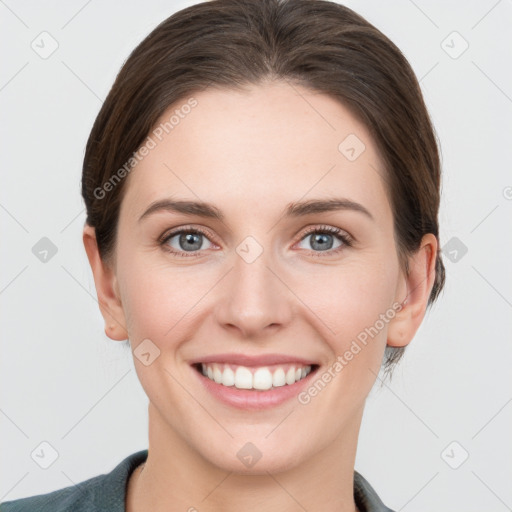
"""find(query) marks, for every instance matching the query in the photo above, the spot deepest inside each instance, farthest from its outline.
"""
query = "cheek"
(158, 300)
(357, 308)
(351, 297)
(353, 300)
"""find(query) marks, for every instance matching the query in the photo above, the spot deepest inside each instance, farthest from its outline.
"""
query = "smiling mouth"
(261, 378)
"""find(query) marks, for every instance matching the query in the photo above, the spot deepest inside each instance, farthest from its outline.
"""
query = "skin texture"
(252, 153)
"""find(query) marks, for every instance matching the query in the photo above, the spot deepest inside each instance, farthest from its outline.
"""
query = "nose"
(254, 301)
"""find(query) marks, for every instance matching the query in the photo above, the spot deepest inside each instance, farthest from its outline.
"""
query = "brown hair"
(314, 43)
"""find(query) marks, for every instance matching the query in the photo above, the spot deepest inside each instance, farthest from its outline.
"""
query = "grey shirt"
(107, 493)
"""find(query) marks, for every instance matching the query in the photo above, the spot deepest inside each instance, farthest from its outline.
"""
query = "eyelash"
(343, 236)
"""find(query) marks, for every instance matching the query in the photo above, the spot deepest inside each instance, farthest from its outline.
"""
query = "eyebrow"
(296, 209)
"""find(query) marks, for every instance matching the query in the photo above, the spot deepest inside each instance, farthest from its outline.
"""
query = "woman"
(262, 192)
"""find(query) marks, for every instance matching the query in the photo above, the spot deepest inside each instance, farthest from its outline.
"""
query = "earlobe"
(106, 288)
(418, 284)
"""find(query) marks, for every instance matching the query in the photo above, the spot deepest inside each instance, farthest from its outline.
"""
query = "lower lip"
(251, 398)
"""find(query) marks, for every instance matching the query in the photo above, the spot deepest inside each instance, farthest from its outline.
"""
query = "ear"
(416, 288)
(106, 288)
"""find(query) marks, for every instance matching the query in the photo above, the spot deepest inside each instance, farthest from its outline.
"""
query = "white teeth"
(217, 374)
(243, 378)
(290, 376)
(262, 378)
(278, 379)
(228, 377)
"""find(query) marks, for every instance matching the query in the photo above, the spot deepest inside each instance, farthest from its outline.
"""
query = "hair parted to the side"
(317, 44)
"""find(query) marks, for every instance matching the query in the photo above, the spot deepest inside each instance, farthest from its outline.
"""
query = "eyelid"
(184, 229)
(319, 228)
(346, 239)
(167, 235)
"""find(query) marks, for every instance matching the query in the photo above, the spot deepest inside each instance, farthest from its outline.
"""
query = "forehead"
(271, 143)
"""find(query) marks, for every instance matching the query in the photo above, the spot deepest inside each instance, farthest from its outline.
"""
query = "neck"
(323, 482)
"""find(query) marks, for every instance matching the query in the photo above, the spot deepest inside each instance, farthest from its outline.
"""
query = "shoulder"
(103, 492)
(77, 497)
(367, 500)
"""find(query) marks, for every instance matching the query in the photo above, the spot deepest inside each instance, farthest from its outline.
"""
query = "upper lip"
(246, 360)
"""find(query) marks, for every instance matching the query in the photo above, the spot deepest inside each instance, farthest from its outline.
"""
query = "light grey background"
(65, 383)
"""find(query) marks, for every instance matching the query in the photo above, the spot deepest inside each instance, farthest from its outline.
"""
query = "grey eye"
(321, 241)
(187, 241)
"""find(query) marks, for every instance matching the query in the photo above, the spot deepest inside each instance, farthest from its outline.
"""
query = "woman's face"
(265, 288)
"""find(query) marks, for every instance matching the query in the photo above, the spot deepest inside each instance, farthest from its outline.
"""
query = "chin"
(257, 457)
